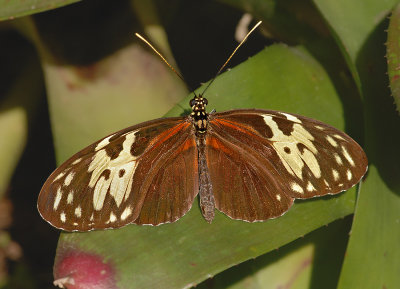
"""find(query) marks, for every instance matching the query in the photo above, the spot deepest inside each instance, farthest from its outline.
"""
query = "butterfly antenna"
(233, 53)
(161, 56)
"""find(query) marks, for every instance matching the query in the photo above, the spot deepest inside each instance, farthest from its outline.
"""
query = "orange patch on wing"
(217, 145)
(170, 133)
(188, 144)
(236, 126)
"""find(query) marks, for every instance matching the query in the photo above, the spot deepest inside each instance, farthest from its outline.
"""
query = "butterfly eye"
(192, 102)
(205, 101)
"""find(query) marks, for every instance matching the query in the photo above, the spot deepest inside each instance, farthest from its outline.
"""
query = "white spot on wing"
(57, 199)
(331, 141)
(113, 218)
(78, 160)
(68, 179)
(349, 175)
(120, 186)
(278, 197)
(100, 192)
(70, 197)
(319, 127)
(312, 163)
(78, 212)
(338, 159)
(294, 162)
(310, 187)
(60, 175)
(338, 136)
(129, 188)
(103, 143)
(335, 174)
(296, 187)
(63, 217)
(126, 213)
(291, 117)
(347, 156)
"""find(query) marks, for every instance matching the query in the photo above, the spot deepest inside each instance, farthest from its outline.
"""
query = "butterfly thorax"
(199, 115)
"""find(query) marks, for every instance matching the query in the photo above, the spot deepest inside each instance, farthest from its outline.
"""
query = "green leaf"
(291, 21)
(13, 9)
(375, 233)
(372, 257)
(16, 110)
(313, 261)
(13, 134)
(84, 93)
(352, 22)
(186, 252)
(393, 54)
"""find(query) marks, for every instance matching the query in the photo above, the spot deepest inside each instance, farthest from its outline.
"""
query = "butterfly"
(250, 164)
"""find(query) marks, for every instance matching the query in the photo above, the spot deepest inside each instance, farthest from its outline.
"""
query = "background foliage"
(73, 72)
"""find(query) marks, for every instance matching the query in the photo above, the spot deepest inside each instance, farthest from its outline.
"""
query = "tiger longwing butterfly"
(249, 164)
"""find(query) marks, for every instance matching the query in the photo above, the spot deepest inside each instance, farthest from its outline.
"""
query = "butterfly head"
(199, 115)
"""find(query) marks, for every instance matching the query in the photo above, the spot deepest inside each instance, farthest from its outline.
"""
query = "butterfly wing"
(260, 161)
(145, 174)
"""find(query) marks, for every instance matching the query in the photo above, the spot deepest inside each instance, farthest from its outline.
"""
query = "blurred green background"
(72, 72)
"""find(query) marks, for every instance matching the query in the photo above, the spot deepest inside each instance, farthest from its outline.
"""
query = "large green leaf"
(291, 21)
(184, 253)
(352, 22)
(17, 108)
(83, 87)
(12, 9)
(372, 259)
(310, 262)
(393, 54)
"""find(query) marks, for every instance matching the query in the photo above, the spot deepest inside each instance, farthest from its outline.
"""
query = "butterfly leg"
(207, 202)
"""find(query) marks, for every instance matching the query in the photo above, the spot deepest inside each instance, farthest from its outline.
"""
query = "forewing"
(261, 160)
(146, 174)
